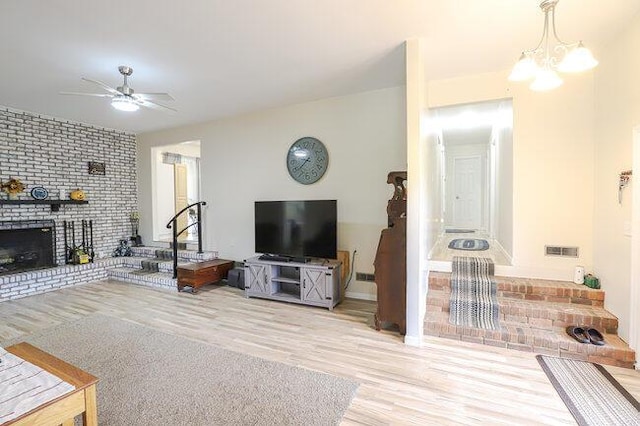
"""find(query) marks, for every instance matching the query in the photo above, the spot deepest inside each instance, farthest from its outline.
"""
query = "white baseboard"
(413, 341)
(436, 244)
(361, 296)
(503, 251)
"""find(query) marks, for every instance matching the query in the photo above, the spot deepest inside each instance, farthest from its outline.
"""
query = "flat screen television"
(297, 229)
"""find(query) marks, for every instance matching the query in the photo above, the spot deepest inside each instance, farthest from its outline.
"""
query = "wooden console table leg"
(90, 416)
(69, 422)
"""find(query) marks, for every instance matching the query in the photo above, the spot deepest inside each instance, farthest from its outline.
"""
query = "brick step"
(137, 276)
(163, 265)
(532, 289)
(530, 338)
(537, 313)
(163, 252)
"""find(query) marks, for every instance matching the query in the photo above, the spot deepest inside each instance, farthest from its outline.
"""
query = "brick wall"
(53, 153)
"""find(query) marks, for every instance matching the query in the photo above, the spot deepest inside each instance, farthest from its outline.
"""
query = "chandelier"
(542, 63)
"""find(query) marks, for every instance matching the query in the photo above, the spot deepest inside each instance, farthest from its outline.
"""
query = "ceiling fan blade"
(100, 95)
(153, 105)
(154, 96)
(104, 86)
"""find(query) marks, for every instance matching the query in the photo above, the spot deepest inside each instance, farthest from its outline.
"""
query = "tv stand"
(313, 282)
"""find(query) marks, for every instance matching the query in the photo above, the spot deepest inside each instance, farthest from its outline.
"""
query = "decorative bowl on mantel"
(77, 195)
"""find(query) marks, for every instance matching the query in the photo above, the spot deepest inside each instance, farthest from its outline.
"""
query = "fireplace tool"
(87, 239)
(77, 254)
(66, 244)
(92, 254)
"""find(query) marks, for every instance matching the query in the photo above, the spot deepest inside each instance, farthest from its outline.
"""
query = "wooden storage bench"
(195, 275)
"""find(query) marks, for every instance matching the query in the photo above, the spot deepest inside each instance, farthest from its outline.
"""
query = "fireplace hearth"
(27, 245)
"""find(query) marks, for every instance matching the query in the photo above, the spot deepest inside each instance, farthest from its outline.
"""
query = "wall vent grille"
(362, 276)
(561, 251)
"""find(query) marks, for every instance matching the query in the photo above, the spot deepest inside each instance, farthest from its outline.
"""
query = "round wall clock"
(307, 160)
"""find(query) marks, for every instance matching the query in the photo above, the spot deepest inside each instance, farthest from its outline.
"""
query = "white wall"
(164, 201)
(504, 189)
(617, 96)
(243, 161)
(434, 171)
(553, 155)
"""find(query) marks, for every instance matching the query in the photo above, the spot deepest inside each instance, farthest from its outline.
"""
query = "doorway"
(476, 177)
(467, 192)
(176, 184)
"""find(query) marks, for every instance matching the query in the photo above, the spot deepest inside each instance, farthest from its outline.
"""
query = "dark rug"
(471, 244)
(590, 393)
(459, 231)
(473, 301)
(152, 378)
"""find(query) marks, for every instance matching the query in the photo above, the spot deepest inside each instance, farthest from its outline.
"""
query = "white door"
(180, 194)
(467, 192)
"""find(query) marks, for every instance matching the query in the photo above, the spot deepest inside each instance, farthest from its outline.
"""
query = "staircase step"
(138, 276)
(531, 338)
(538, 313)
(532, 289)
(186, 255)
(163, 265)
(533, 317)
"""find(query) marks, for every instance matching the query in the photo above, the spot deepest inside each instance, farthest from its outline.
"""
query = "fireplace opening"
(27, 245)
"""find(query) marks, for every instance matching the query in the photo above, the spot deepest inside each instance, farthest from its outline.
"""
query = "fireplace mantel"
(55, 204)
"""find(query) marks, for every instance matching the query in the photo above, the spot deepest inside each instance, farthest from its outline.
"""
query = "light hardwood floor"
(442, 382)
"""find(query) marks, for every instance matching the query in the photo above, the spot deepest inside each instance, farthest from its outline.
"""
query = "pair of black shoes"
(586, 335)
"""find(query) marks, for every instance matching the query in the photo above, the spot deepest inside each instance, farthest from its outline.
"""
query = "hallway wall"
(553, 166)
(617, 91)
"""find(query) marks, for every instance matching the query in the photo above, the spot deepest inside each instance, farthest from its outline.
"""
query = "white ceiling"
(220, 58)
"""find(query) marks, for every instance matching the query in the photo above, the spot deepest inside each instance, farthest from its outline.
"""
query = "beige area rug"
(151, 378)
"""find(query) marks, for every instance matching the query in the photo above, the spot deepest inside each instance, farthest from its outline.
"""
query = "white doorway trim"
(634, 320)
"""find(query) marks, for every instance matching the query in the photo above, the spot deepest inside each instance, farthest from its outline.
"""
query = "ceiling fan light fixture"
(122, 103)
(551, 54)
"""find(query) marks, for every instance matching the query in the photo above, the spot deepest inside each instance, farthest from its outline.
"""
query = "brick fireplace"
(27, 245)
(54, 153)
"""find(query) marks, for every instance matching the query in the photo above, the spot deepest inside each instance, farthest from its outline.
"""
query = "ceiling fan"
(124, 98)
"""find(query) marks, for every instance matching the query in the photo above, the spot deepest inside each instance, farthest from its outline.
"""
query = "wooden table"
(197, 274)
(63, 409)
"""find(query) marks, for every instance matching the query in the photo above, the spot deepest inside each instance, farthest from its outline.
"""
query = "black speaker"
(235, 278)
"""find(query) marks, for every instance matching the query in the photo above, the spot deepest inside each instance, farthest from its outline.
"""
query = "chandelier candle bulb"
(578, 60)
(525, 69)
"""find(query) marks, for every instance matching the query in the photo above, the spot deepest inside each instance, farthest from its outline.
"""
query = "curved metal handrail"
(204, 203)
(174, 222)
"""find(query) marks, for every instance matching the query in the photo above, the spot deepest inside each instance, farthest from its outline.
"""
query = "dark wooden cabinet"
(195, 275)
(391, 259)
